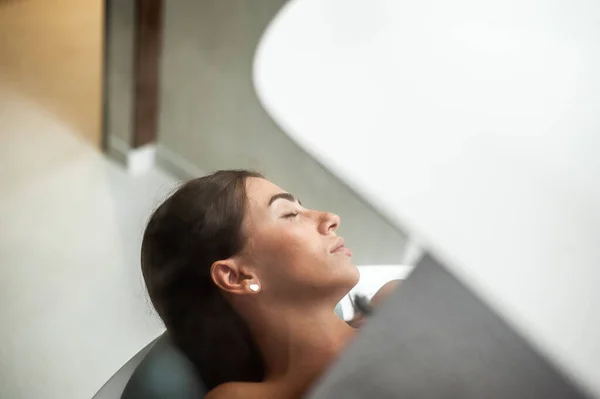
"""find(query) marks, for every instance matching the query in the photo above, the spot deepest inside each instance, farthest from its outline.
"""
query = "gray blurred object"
(434, 339)
(159, 371)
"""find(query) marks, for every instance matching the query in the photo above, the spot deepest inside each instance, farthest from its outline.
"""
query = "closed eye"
(290, 215)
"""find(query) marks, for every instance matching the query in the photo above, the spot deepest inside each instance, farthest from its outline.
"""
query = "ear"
(229, 276)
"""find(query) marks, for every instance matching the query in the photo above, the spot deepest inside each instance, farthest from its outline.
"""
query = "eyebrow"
(285, 196)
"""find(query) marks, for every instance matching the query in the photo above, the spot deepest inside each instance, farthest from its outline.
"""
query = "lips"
(339, 247)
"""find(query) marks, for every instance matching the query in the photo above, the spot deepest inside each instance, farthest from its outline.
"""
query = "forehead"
(259, 191)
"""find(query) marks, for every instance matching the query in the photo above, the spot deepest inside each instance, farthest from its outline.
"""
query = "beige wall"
(51, 51)
(210, 116)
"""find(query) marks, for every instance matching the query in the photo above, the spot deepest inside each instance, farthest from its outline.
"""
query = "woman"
(246, 281)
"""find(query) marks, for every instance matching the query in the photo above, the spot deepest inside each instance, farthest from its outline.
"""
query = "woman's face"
(295, 251)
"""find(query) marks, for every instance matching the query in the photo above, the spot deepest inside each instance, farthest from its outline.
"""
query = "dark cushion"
(165, 373)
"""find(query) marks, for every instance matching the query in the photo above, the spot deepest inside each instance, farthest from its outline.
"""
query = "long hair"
(197, 225)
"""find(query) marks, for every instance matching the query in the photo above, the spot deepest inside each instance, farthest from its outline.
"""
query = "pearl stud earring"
(254, 287)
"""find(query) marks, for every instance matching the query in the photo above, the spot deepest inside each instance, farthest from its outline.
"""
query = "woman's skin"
(301, 270)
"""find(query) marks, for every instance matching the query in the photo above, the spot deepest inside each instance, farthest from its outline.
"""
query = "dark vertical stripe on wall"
(105, 75)
(148, 40)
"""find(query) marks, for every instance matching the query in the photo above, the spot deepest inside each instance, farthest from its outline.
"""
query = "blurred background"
(469, 129)
(104, 106)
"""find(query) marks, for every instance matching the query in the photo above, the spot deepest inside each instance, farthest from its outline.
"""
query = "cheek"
(287, 252)
(289, 246)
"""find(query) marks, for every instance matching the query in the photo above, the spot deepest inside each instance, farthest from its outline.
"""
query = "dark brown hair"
(197, 225)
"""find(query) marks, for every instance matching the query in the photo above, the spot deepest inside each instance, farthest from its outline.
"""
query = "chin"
(346, 282)
(337, 277)
(356, 274)
(351, 275)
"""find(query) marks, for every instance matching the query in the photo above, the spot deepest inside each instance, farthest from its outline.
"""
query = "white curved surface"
(475, 126)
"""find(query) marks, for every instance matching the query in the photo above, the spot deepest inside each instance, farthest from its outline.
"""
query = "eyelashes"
(290, 215)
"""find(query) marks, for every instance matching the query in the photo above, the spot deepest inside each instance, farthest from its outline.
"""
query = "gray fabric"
(435, 339)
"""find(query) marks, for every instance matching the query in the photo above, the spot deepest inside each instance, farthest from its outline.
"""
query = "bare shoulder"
(385, 291)
(234, 390)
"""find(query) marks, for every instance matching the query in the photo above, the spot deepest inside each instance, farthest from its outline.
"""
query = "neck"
(300, 343)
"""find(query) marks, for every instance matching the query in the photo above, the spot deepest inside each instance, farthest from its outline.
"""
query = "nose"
(329, 222)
